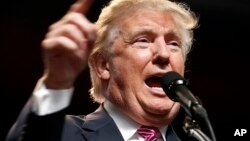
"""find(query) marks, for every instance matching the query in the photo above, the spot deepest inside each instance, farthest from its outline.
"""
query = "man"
(131, 46)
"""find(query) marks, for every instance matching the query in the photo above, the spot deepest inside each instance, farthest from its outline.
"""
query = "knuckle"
(70, 27)
(45, 44)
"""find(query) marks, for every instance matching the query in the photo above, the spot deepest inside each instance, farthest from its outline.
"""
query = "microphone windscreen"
(170, 77)
(170, 81)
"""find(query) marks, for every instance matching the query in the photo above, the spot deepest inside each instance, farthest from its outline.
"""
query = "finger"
(89, 29)
(81, 6)
(58, 45)
(70, 31)
(59, 48)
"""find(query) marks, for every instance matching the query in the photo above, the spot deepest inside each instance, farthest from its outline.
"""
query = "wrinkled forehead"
(148, 21)
(161, 20)
(145, 16)
(139, 13)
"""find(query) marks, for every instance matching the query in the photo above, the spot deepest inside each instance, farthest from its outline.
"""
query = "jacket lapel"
(171, 135)
(99, 126)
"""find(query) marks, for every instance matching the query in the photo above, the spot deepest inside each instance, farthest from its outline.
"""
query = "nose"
(161, 54)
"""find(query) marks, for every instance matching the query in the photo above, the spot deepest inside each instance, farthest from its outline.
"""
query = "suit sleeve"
(42, 118)
(31, 127)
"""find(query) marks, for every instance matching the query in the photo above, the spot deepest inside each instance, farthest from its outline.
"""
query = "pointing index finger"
(81, 6)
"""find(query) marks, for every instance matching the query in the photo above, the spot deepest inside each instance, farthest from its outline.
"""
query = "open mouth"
(154, 82)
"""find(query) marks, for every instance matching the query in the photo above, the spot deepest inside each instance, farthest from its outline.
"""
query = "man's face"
(147, 47)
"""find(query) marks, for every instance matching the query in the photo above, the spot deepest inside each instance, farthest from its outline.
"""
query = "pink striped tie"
(149, 133)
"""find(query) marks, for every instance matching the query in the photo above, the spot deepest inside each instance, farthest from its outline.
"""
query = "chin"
(162, 117)
(167, 109)
(162, 106)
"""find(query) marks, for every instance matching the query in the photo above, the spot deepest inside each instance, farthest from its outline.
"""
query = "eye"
(143, 40)
(174, 43)
(175, 46)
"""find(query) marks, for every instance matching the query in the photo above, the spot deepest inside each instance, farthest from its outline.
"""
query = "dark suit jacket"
(97, 126)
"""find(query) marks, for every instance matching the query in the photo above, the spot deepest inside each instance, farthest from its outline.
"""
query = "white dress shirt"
(47, 101)
(127, 126)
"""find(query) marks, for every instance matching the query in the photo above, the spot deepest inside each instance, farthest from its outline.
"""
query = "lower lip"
(158, 91)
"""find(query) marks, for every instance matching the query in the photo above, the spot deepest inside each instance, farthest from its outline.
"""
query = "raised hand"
(67, 46)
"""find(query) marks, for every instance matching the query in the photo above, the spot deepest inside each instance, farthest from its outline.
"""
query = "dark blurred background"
(218, 66)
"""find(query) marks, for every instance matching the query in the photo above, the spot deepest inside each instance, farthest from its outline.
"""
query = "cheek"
(177, 63)
(122, 69)
(131, 62)
(142, 57)
(136, 60)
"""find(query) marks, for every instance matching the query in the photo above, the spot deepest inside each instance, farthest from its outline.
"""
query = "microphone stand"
(192, 128)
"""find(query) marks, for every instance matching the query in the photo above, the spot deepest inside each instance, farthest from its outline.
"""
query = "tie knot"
(149, 133)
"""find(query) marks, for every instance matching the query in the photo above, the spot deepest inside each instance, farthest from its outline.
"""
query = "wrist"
(53, 83)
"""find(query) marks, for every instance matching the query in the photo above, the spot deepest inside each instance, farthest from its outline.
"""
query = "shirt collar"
(126, 126)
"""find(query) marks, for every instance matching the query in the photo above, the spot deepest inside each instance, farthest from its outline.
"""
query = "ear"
(102, 67)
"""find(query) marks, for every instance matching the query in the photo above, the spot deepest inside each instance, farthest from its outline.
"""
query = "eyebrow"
(143, 30)
(129, 36)
(148, 31)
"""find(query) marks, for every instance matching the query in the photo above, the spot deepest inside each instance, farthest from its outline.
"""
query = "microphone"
(176, 87)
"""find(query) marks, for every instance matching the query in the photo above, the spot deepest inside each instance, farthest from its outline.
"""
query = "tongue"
(155, 85)
(158, 90)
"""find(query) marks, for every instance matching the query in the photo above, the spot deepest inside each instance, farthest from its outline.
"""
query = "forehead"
(147, 20)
